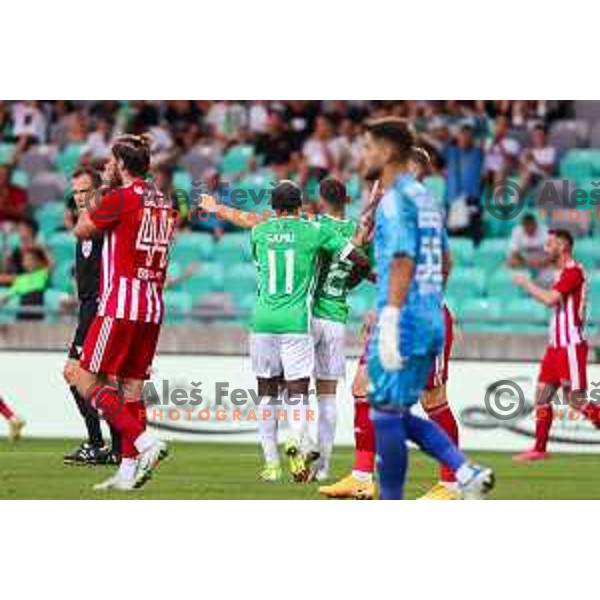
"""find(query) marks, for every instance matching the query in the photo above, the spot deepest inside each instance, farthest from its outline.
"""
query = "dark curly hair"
(134, 151)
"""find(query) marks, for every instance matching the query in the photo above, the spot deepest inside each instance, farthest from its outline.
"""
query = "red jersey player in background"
(138, 227)
(15, 422)
(565, 362)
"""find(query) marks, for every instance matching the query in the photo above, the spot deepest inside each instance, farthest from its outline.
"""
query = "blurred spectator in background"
(97, 144)
(29, 124)
(28, 287)
(163, 180)
(320, 151)
(464, 160)
(201, 220)
(300, 116)
(538, 160)
(438, 133)
(258, 117)
(5, 121)
(27, 231)
(13, 199)
(277, 147)
(227, 118)
(526, 249)
(183, 117)
(501, 152)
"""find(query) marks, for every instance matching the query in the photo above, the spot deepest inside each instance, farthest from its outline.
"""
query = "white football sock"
(127, 468)
(362, 476)
(327, 422)
(267, 428)
(464, 474)
(144, 442)
(297, 416)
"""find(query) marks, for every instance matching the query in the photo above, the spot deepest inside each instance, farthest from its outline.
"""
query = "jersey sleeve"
(569, 281)
(399, 226)
(105, 211)
(334, 243)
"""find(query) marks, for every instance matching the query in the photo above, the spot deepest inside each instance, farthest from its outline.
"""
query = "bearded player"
(564, 365)
(359, 484)
(138, 227)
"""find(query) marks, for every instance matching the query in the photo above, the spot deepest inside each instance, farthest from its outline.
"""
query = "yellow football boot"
(350, 487)
(440, 492)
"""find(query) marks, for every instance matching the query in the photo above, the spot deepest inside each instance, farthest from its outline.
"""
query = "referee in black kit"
(86, 182)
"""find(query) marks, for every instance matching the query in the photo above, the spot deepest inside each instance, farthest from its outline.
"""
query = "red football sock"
(443, 416)
(592, 412)
(543, 424)
(5, 410)
(108, 402)
(364, 437)
(137, 408)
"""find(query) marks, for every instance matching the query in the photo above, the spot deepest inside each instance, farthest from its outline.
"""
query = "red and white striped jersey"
(139, 230)
(568, 321)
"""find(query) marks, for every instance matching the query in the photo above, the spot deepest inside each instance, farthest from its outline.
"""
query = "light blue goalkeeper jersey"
(409, 222)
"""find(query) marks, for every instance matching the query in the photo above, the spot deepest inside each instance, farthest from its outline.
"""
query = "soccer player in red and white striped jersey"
(565, 362)
(138, 227)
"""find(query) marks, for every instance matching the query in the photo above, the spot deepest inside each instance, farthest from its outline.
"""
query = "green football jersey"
(286, 252)
(331, 293)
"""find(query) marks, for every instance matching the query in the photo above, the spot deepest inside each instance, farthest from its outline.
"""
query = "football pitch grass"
(33, 469)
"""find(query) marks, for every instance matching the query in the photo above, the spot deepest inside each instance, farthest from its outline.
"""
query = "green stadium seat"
(178, 306)
(50, 217)
(62, 247)
(20, 178)
(525, 315)
(498, 228)
(240, 279)
(192, 247)
(593, 305)
(182, 180)
(481, 314)
(576, 164)
(437, 185)
(593, 289)
(52, 304)
(353, 187)
(500, 285)
(251, 193)
(587, 250)
(68, 159)
(594, 158)
(244, 304)
(237, 159)
(8, 310)
(209, 278)
(360, 301)
(466, 282)
(491, 254)
(6, 153)
(62, 277)
(462, 251)
(233, 248)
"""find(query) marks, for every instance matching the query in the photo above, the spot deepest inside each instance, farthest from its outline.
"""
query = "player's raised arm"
(235, 216)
